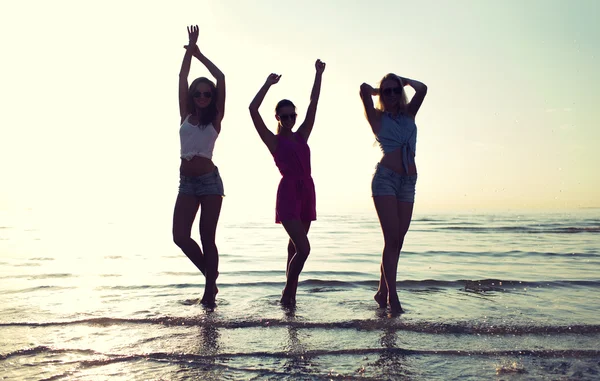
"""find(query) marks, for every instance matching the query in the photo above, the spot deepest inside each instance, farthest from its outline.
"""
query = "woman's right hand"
(272, 79)
(193, 35)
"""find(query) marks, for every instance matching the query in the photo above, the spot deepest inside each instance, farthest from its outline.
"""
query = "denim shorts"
(204, 185)
(389, 183)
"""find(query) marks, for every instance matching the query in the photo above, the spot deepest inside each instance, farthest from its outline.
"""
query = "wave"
(38, 276)
(493, 254)
(47, 276)
(188, 357)
(468, 284)
(429, 327)
(38, 288)
(523, 229)
(44, 349)
(322, 285)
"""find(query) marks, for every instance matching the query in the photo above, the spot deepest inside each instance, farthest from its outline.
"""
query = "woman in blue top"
(393, 186)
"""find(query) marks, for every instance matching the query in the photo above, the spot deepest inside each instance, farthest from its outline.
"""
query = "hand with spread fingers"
(193, 32)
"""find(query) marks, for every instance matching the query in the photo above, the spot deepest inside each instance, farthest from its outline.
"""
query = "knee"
(304, 250)
(393, 243)
(291, 249)
(208, 242)
(180, 239)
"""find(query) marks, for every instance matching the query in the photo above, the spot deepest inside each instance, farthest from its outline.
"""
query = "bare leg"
(387, 210)
(405, 210)
(186, 208)
(382, 292)
(209, 216)
(298, 234)
(291, 249)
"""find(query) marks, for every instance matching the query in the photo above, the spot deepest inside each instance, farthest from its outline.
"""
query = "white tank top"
(197, 140)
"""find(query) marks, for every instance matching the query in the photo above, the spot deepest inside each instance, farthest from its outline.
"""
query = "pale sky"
(90, 120)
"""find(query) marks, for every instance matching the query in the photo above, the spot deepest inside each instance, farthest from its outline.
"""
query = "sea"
(487, 296)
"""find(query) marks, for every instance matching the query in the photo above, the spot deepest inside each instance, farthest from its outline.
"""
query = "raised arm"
(373, 115)
(265, 134)
(417, 99)
(219, 76)
(185, 71)
(306, 127)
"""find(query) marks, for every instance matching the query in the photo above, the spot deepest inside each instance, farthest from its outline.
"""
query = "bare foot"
(287, 298)
(208, 302)
(381, 299)
(396, 307)
(287, 302)
(209, 297)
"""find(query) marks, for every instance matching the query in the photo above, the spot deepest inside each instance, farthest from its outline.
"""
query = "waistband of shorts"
(384, 169)
(201, 177)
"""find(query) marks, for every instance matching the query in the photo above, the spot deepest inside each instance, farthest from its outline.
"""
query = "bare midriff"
(198, 166)
(393, 161)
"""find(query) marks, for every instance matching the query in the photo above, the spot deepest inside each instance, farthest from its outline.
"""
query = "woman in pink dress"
(295, 207)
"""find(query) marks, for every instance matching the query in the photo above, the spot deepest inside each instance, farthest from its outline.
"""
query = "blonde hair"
(403, 98)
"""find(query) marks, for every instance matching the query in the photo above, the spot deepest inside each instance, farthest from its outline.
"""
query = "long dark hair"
(207, 115)
(283, 103)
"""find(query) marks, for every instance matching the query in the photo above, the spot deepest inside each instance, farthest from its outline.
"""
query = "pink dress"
(296, 198)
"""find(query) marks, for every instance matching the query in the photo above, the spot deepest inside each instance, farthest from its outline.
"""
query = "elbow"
(364, 89)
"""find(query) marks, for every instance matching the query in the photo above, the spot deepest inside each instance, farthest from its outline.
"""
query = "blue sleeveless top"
(398, 132)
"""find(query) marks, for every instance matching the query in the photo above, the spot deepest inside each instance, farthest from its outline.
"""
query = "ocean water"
(507, 296)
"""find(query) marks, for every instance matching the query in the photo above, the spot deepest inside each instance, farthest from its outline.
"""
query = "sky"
(89, 122)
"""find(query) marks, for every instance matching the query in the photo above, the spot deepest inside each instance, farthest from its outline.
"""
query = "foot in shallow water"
(396, 307)
(288, 299)
(209, 298)
(381, 299)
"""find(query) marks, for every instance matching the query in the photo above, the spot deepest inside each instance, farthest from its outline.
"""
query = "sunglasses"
(206, 94)
(396, 90)
(288, 116)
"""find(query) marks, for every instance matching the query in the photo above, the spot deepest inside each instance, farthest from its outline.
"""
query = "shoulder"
(408, 115)
(298, 136)
(408, 118)
(185, 120)
(216, 126)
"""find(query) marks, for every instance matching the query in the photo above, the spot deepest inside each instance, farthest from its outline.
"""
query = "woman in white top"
(201, 107)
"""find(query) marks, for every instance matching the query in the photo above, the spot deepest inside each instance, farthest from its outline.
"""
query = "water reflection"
(297, 361)
(209, 340)
(392, 361)
(206, 365)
